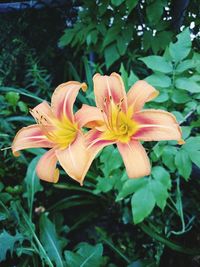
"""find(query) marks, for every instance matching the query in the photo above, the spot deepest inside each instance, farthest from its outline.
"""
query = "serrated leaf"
(180, 49)
(183, 163)
(7, 243)
(157, 63)
(50, 241)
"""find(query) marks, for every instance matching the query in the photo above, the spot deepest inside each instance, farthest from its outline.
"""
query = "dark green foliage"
(112, 220)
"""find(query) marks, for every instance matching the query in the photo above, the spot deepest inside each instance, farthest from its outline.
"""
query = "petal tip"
(181, 142)
(84, 87)
(56, 176)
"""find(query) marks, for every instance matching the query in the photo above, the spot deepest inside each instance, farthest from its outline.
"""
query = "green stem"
(174, 246)
(26, 219)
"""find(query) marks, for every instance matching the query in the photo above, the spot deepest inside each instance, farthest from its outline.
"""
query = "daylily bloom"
(57, 129)
(119, 119)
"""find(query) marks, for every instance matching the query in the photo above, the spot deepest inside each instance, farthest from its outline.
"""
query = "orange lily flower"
(57, 129)
(119, 119)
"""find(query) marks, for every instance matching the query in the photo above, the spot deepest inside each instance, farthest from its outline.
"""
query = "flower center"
(119, 125)
(63, 132)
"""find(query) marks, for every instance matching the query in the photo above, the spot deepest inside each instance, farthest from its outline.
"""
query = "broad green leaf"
(86, 256)
(142, 202)
(110, 159)
(187, 84)
(157, 63)
(154, 11)
(181, 48)
(162, 97)
(195, 158)
(111, 55)
(7, 243)
(111, 35)
(131, 4)
(160, 174)
(160, 193)
(180, 97)
(117, 2)
(104, 184)
(50, 241)
(186, 131)
(185, 65)
(67, 37)
(183, 163)
(159, 80)
(192, 144)
(131, 186)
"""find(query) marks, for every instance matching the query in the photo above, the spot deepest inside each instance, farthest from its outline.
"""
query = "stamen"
(105, 119)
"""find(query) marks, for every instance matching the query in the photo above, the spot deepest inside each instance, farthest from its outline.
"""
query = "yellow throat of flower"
(64, 132)
(119, 125)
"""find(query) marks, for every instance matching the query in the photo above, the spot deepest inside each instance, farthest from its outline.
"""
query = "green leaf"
(180, 97)
(86, 256)
(142, 202)
(7, 243)
(159, 80)
(160, 174)
(157, 63)
(182, 47)
(104, 185)
(110, 159)
(131, 4)
(111, 35)
(154, 11)
(50, 241)
(12, 98)
(168, 157)
(192, 147)
(192, 144)
(117, 2)
(162, 97)
(187, 84)
(111, 55)
(195, 158)
(132, 79)
(124, 75)
(67, 37)
(32, 182)
(185, 65)
(131, 186)
(160, 193)
(183, 163)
